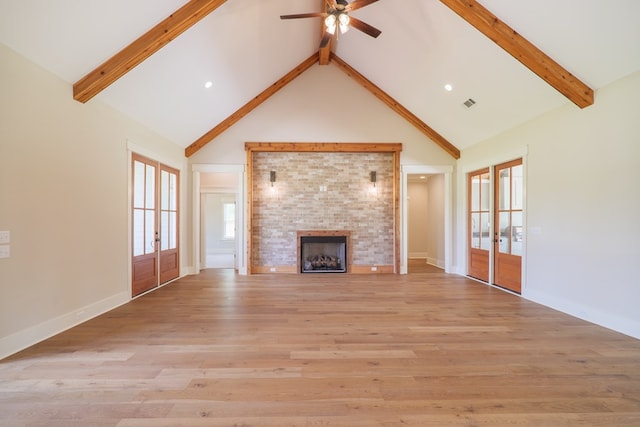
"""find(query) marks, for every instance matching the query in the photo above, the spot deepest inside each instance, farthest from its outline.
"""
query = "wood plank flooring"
(424, 349)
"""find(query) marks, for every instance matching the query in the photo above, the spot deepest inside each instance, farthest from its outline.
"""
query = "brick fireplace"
(327, 189)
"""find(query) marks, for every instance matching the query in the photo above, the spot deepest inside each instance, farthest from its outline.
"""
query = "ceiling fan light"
(330, 23)
(343, 19)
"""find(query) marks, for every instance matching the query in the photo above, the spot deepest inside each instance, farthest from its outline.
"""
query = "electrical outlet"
(5, 237)
(272, 269)
(5, 251)
(374, 268)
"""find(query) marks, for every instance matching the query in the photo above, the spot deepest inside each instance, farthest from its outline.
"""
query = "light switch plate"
(5, 251)
(5, 237)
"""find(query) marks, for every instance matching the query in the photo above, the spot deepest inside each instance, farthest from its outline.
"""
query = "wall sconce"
(373, 178)
(272, 177)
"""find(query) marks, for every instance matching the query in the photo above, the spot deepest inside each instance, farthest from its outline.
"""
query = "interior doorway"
(219, 220)
(426, 222)
(425, 219)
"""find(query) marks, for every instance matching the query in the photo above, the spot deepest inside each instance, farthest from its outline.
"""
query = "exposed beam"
(397, 107)
(523, 50)
(325, 51)
(145, 46)
(249, 106)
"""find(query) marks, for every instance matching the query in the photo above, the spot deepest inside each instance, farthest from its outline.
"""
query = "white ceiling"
(243, 47)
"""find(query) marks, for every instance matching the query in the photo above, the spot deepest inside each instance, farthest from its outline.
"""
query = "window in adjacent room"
(229, 217)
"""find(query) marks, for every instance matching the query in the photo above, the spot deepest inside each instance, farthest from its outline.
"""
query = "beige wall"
(435, 220)
(582, 169)
(64, 198)
(417, 206)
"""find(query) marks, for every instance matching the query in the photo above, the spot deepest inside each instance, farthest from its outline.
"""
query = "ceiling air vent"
(469, 103)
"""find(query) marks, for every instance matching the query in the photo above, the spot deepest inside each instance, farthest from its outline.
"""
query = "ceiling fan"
(337, 16)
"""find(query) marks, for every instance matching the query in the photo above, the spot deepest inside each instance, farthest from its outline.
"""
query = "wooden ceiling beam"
(142, 48)
(397, 107)
(250, 106)
(324, 54)
(523, 50)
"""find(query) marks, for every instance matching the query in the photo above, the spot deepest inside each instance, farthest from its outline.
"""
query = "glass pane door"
(169, 265)
(508, 234)
(144, 230)
(155, 220)
(479, 223)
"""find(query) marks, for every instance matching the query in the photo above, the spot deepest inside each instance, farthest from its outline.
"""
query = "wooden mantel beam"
(249, 106)
(397, 107)
(145, 46)
(523, 50)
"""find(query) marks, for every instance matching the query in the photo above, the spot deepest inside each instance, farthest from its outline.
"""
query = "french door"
(495, 235)
(479, 223)
(155, 247)
(508, 225)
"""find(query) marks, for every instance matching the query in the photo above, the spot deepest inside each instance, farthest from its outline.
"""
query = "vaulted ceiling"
(515, 59)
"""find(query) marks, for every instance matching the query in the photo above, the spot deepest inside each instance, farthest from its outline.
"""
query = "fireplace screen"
(323, 254)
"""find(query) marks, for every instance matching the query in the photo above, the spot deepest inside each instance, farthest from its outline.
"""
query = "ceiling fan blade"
(303, 15)
(331, 4)
(325, 40)
(358, 4)
(364, 27)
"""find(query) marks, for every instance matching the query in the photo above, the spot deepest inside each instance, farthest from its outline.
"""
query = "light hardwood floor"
(424, 349)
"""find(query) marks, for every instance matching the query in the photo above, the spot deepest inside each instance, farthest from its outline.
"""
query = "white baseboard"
(605, 319)
(437, 262)
(418, 255)
(188, 271)
(18, 341)
(429, 260)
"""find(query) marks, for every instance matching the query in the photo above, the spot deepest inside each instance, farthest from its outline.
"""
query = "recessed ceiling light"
(448, 87)
(208, 84)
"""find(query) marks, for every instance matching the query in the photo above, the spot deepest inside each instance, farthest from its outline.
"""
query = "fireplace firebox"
(325, 252)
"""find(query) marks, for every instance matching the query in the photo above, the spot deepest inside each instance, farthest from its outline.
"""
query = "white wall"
(64, 197)
(582, 205)
(305, 111)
